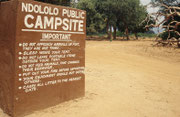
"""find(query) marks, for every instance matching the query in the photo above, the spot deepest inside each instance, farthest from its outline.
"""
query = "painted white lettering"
(26, 21)
(39, 22)
(48, 23)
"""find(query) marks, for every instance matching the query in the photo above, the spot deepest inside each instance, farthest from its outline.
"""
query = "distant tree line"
(112, 15)
(57, 2)
(108, 16)
(3, 0)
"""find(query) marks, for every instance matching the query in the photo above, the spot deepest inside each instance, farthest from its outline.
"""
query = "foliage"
(126, 15)
(165, 2)
(146, 34)
(165, 35)
(150, 35)
(95, 22)
(120, 34)
(57, 2)
(97, 34)
(3, 0)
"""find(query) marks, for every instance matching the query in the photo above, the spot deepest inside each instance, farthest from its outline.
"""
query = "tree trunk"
(178, 43)
(110, 34)
(127, 33)
(114, 35)
(136, 35)
(107, 29)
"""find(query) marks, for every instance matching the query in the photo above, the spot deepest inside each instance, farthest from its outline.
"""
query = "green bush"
(146, 35)
(96, 34)
(165, 35)
(119, 34)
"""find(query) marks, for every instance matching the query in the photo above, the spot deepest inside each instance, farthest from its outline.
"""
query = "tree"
(130, 15)
(107, 8)
(140, 14)
(170, 10)
(95, 22)
(3, 0)
(74, 3)
(57, 2)
(125, 15)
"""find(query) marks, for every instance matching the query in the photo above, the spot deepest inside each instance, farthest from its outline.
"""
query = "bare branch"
(169, 14)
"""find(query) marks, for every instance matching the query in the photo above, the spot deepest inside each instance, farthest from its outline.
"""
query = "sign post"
(42, 60)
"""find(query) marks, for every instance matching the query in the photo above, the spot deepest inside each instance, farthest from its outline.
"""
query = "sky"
(152, 10)
(149, 9)
(144, 2)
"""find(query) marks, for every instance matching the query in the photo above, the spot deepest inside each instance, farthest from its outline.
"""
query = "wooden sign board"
(42, 55)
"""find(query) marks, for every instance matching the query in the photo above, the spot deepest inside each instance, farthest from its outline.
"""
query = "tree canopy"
(124, 15)
(95, 23)
(57, 2)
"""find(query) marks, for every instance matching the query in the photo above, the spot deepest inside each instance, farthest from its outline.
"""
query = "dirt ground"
(125, 79)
